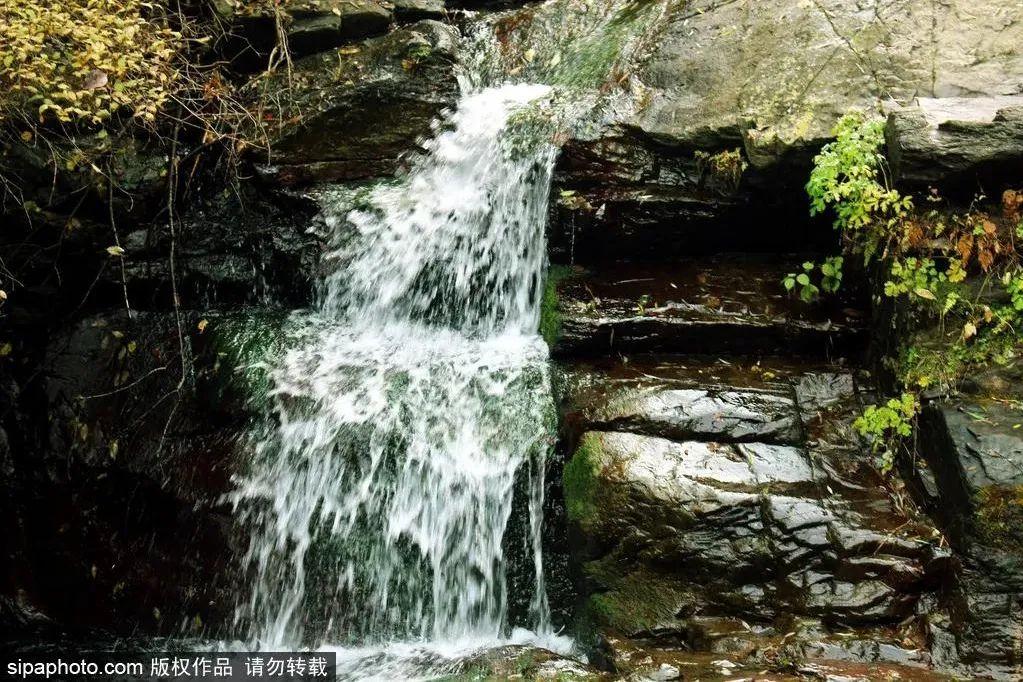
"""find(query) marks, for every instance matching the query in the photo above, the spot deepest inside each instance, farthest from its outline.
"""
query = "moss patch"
(579, 479)
(638, 601)
(999, 515)
(550, 315)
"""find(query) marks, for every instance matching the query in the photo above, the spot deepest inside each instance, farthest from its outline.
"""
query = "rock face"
(737, 97)
(122, 461)
(356, 111)
(958, 143)
(711, 521)
(728, 305)
(974, 456)
(417, 10)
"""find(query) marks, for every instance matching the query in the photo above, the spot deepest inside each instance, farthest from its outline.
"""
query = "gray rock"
(765, 83)
(309, 25)
(675, 528)
(975, 452)
(958, 144)
(416, 10)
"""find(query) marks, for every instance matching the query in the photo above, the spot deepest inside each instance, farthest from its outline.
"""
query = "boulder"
(253, 28)
(963, 145)
(353, 113)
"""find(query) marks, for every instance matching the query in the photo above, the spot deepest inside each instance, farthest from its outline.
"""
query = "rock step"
(731, 305)
(686, 513)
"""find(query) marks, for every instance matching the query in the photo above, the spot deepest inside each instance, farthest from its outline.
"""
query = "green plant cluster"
(830, 278)
(958, 271)
(884, 426)
(850, 177)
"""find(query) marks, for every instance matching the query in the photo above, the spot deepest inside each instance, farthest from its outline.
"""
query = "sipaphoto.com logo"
(61, 668)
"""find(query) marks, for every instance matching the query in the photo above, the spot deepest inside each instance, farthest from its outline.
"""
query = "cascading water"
(419, 391)
(412, 400)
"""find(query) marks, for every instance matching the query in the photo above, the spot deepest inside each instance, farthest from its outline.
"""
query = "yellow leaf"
(5, 349)
(969, 330)
(115, 251)
(202, 325)
(924, 293)
(26, 136)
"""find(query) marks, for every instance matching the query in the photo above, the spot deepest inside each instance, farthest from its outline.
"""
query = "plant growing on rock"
(830, 279)
(726, 166)
(850, 177)
(884, 426)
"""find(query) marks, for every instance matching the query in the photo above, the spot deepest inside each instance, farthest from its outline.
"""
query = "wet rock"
(728, 649)
(245, 247)
(121, 493)
(354, 112)
(959, 144)
(309, 26)
(58, 175)
(626, 196)
(695, 306)
(975, 451)
(709, 414)
(526, 662)
(417, 10)
(974, 455)
(673, 528)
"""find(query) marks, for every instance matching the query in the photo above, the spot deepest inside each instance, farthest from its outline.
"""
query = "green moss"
(243, 345)
(579, 479)
(550, 315)
(638, 601)
(999, 515)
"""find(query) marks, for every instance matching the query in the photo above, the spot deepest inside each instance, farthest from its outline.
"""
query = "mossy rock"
(999, 515)
(580, 480)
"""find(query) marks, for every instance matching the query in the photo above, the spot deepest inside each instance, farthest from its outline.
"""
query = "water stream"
(415, 396)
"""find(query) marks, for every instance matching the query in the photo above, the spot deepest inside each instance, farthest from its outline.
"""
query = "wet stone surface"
(705, 489)
(728, 305)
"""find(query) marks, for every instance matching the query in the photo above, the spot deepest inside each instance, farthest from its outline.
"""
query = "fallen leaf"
(115, 251)
(97, 79)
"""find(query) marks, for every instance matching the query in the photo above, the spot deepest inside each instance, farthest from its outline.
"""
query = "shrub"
(82, 61)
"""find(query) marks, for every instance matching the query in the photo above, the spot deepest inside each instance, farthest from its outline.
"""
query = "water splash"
(409, 403)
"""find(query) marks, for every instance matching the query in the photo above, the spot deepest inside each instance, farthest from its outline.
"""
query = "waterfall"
(416, 394)
(415, 397)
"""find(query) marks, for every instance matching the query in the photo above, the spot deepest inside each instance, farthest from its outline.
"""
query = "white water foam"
(408, 409)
